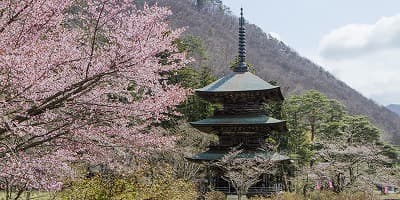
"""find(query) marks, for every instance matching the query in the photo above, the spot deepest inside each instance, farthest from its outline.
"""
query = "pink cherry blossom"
(65, 70)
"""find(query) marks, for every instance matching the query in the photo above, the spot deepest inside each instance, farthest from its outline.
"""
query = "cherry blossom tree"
(82, 80)
(351, 167)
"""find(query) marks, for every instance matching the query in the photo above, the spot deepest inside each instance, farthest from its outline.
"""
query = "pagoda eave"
(249, 96)
(238, 81)
(244, 128)
(252, 119)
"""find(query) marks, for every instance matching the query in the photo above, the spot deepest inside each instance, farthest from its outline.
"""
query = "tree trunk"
(285, 183)
(312, 132)
(28, 195)
(351, 174)
(305, 190)
(19, 193)
(8, 194)
(200, 4)
(338, 183)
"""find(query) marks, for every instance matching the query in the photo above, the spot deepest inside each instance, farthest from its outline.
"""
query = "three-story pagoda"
(241, 120)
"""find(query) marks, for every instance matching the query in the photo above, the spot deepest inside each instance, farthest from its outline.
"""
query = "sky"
(358, 41)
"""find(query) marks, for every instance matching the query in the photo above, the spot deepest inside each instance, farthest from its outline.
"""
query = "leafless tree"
(243, 172)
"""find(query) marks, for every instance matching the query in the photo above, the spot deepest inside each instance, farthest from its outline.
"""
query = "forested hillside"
(211, 21)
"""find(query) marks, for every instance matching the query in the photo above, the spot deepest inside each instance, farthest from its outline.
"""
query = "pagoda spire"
(241, 66)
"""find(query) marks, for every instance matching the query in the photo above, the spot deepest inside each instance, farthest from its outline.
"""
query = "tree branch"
(15, 16)
(96, 28)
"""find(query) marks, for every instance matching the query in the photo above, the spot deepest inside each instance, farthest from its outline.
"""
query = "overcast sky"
(356, 40)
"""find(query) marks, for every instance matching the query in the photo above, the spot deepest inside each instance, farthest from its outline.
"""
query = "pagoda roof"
(258, 122)
(239, 119)
(217, 154)
(238, 82)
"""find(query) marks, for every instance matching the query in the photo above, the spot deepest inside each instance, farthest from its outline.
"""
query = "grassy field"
(390, 196)
(34, 196)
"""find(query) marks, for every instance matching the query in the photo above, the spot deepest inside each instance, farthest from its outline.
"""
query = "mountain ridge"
(272, 59)
(394, 108)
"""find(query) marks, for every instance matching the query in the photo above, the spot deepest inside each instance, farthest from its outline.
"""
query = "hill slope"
(394, 108)
(272, 59)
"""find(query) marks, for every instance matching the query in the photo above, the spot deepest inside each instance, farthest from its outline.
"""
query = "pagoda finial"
(241, 66)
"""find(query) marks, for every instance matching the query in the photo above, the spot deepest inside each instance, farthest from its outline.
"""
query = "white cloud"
(367, 57)
(358, 39)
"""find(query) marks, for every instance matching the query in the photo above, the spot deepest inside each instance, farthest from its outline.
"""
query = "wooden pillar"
(208, 176)
(229, 187)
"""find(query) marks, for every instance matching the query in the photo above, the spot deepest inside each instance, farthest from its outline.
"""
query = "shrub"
(99, 188)
(150, 183)
(215, 195)
(163, 186)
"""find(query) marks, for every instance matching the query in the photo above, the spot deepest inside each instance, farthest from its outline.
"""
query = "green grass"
(33, 196)
(332, 196)
(390, 196)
